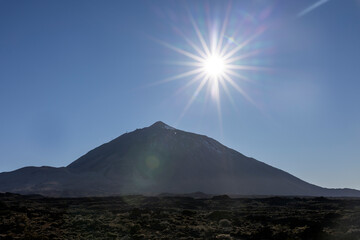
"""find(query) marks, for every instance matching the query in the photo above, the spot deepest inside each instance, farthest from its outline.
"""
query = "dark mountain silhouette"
(161, 159)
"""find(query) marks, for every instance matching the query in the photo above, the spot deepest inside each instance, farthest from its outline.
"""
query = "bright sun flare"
(214, 66)
(217, 63)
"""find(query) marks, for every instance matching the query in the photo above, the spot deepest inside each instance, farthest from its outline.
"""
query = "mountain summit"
(160, 124)
(160, 159)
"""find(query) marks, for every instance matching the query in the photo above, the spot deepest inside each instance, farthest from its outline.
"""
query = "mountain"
(162, 159)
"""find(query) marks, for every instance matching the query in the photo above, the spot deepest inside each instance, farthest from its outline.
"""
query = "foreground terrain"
(139, 217)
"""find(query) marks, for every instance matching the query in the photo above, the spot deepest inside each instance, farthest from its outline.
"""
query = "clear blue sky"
(76, 74)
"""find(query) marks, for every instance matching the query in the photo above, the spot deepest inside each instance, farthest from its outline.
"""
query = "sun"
(217, 61)
(214, 66)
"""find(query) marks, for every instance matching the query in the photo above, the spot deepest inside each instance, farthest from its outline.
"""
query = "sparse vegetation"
(138, 217)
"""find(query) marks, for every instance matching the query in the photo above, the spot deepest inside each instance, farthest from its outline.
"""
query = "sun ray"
(239, 89)
(224, 27)
(214, 40)
(193, 97)
(181, 51)
(179, 76)
(218, 107)
(192, 44)
(184, 63)
(207, 93)
(247, 67)
(237, 75)
(228, 94)
(198, 33)
(215, 89)
(191, 82)
(242, 56)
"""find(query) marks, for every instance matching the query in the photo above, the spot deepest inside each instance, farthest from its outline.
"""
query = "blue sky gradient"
(76, 74)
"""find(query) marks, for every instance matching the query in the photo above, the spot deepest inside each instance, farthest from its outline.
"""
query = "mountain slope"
(161, 159)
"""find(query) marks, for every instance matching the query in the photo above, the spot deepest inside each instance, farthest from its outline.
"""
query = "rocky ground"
(139, 217)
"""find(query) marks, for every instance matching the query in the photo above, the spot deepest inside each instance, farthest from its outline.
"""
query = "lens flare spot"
(152, 162)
